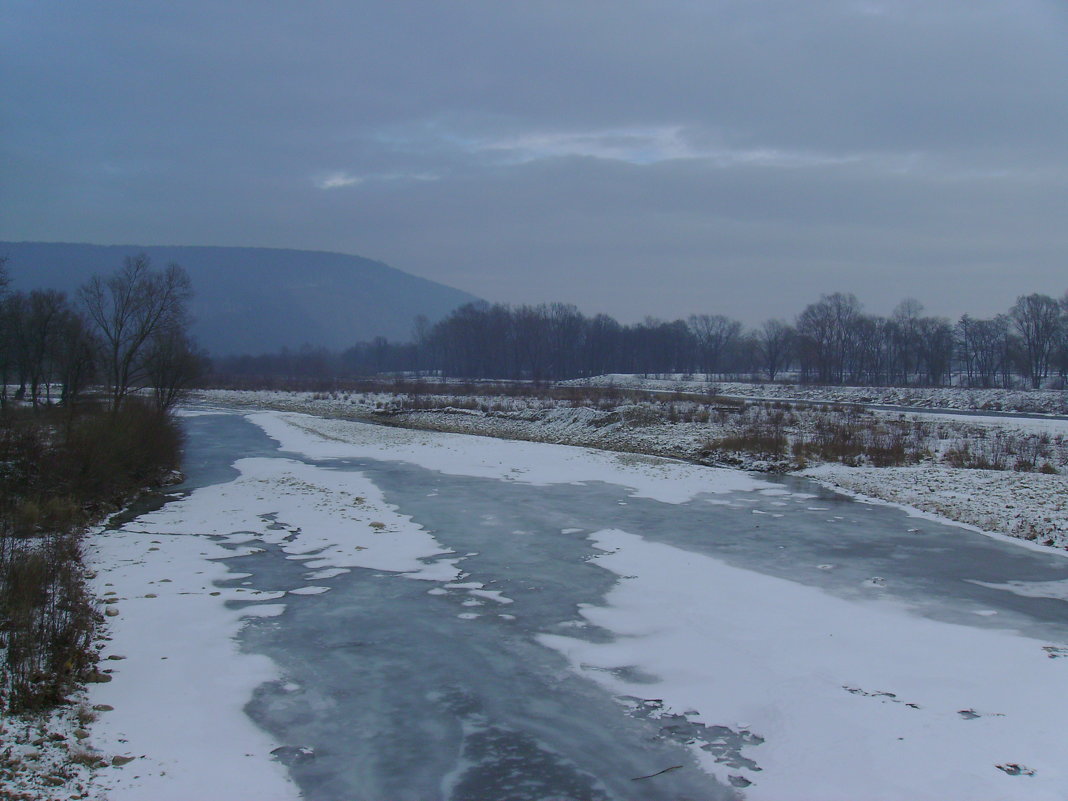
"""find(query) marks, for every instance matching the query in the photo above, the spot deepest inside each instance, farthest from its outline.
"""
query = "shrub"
(58, 471)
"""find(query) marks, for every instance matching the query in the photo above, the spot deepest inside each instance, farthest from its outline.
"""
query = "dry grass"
(59, 472)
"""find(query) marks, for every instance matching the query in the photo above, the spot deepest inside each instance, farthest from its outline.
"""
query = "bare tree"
(1060, 355)
(42, 325)
(172, 364)
(715, 335)
(934, 342)
(775, 341)
(1037, 319)
(983, 349)
(128, 309)
(904, 336)
(7, 351)
(826, 334)
(75, 356)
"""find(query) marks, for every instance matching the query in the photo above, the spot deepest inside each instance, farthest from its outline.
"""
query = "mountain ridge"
(258, 299)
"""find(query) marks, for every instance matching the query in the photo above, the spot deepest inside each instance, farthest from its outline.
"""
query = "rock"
(54, 781)
(1015, 769)
(119, 761)
(111, 611)
(150, 595)
(96, 677)
(81, 734)
(103, 707)
(290, 755)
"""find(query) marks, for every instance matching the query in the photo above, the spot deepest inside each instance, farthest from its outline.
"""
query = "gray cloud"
(737, 157)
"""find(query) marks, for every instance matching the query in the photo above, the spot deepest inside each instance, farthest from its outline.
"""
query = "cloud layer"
(635, 158)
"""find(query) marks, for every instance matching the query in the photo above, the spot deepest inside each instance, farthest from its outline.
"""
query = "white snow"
(1031, 589)
(333, 519)
(179, 694)
(665, 480)
(828, 682)
(1049, 401)
(931, 486)
(1026, 506)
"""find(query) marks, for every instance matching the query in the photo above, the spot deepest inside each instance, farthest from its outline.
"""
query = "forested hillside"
(252, 300)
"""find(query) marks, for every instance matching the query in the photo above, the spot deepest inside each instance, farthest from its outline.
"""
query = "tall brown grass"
(60, 471)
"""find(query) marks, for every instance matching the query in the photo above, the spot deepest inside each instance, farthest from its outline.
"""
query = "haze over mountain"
(253, 300)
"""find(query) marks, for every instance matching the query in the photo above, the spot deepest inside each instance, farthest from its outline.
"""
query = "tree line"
(126, 331)
(831, 341)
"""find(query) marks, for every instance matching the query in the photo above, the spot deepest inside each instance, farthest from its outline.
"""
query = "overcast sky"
(659, 158)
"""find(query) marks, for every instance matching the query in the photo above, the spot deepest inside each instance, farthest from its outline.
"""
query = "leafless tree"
(826, 333)
(983, 349)
(7, 331)
(128, 309)
(42, 322)
(775, 340)
(1037, 319)
(172, 365)
(934, 348)
(75, 356)
(904, 330)
(715, 335)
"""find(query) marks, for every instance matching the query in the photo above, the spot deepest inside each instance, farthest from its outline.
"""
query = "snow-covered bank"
(1028, 505)
(175, 705)
(535, 463)
(805, 693)
(1046, 401)
(833, 700)
(788, 691)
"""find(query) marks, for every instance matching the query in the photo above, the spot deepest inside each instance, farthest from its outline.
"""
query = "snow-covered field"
(1049, 401)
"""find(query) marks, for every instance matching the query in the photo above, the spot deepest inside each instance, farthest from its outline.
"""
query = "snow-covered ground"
(1030, 506)
(1049, 401)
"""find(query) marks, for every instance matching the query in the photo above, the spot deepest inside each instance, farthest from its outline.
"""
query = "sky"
(636, 158)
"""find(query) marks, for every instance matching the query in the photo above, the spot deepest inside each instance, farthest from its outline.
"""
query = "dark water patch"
(931, 574)
(400, 698)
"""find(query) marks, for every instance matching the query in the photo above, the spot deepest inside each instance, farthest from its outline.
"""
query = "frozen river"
(472, 620)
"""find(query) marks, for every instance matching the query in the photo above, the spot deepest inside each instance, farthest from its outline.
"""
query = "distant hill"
(253, 300)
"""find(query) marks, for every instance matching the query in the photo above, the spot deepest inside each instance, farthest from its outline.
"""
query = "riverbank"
(947, 478)
(64, 470)
(299, 519)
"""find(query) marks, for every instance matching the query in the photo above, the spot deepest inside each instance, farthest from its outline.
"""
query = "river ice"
(425, 615)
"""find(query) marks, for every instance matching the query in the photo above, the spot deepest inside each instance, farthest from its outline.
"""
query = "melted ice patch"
(1057, 590)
